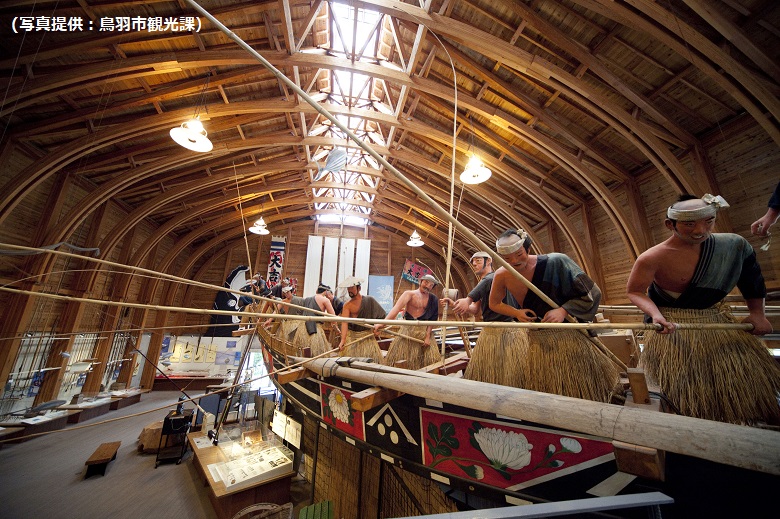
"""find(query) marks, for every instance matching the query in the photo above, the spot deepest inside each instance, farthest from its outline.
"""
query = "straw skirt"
(722, 375)
(415, 354)
(318, 341)
(565, 362)
(497, 356)
(362, 344)
(286, 332)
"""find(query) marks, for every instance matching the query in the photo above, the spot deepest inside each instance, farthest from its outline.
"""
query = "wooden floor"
(44, 477)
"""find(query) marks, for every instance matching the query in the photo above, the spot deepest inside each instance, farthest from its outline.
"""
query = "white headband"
(511, 243)
(713, 205)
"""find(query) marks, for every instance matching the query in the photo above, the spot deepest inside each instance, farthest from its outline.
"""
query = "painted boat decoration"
(500, 458)
(550, 455)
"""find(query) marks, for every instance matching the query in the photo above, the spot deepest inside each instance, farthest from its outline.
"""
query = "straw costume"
(310, 334)
(723, 375)
(360, 341)
(498, 351)
(562, 362)
(417, 355)
(288, 327)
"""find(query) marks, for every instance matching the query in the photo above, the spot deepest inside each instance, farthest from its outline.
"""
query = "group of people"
(711, 372)
(358, 340)
(726, 375)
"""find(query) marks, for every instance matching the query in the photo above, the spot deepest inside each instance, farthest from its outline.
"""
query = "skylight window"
(346, 196)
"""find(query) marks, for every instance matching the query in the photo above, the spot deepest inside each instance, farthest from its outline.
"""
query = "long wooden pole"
(338, 319)
(736, 445)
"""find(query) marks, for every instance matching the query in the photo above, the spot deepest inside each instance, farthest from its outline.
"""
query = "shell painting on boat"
(504, 455)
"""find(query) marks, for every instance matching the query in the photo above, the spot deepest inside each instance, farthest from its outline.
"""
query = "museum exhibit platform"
(86, 410)
(51, 421)
(125, 397)
(246, 467)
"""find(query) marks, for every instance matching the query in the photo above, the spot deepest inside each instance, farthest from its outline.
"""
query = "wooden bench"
(103, 455)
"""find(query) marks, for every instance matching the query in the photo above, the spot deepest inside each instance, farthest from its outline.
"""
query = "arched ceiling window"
(347, 195)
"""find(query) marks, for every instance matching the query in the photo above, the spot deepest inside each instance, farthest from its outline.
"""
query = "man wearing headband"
(695, 268)
(276, 293)
(477, 299)
(493, 359)
(288, 327)
(685, 279)
(358, 340)
(310, 334)
(551, 360)
(554, 274)
(417, 305)
(337, 303)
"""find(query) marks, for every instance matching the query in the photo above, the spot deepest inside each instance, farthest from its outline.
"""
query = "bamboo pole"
(338, 319)
(736, 445)
(171, 278)
(325, 314)
(140, 270)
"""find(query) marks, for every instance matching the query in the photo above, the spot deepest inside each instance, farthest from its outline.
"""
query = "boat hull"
(504, 460)
(508, 461)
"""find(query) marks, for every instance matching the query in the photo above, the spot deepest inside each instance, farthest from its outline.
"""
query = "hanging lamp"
(259, 227)
(476, 172)
(415, 240)
(191, 134)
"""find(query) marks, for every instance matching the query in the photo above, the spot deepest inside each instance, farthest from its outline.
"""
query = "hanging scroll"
(276, 261)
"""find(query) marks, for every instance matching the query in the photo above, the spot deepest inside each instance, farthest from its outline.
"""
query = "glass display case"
(253, 454)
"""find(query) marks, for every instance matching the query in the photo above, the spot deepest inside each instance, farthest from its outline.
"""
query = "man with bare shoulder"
(413, 343)
(358, 340)
(554, 274)
(498, 350)
(558, 360)
(725, 375)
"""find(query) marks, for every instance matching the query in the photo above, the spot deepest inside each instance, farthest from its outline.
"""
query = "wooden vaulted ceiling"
(563, 99)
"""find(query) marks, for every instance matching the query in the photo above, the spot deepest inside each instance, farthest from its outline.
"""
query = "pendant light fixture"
(259, 227)
(191, 133)
(415, 240)
(476, 172)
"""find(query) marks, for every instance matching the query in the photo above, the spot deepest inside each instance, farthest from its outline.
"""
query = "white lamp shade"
(259, 230)
(475, 172)
(259, 227)
(415, 240)
(192, 136)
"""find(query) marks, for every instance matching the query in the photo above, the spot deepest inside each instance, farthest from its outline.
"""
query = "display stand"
(126, 397)
(88, 410)
(230, 499)
(177, 425)
(51, 421)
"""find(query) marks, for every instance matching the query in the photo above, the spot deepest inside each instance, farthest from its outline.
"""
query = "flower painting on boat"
(337, 411)
(504, 455)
